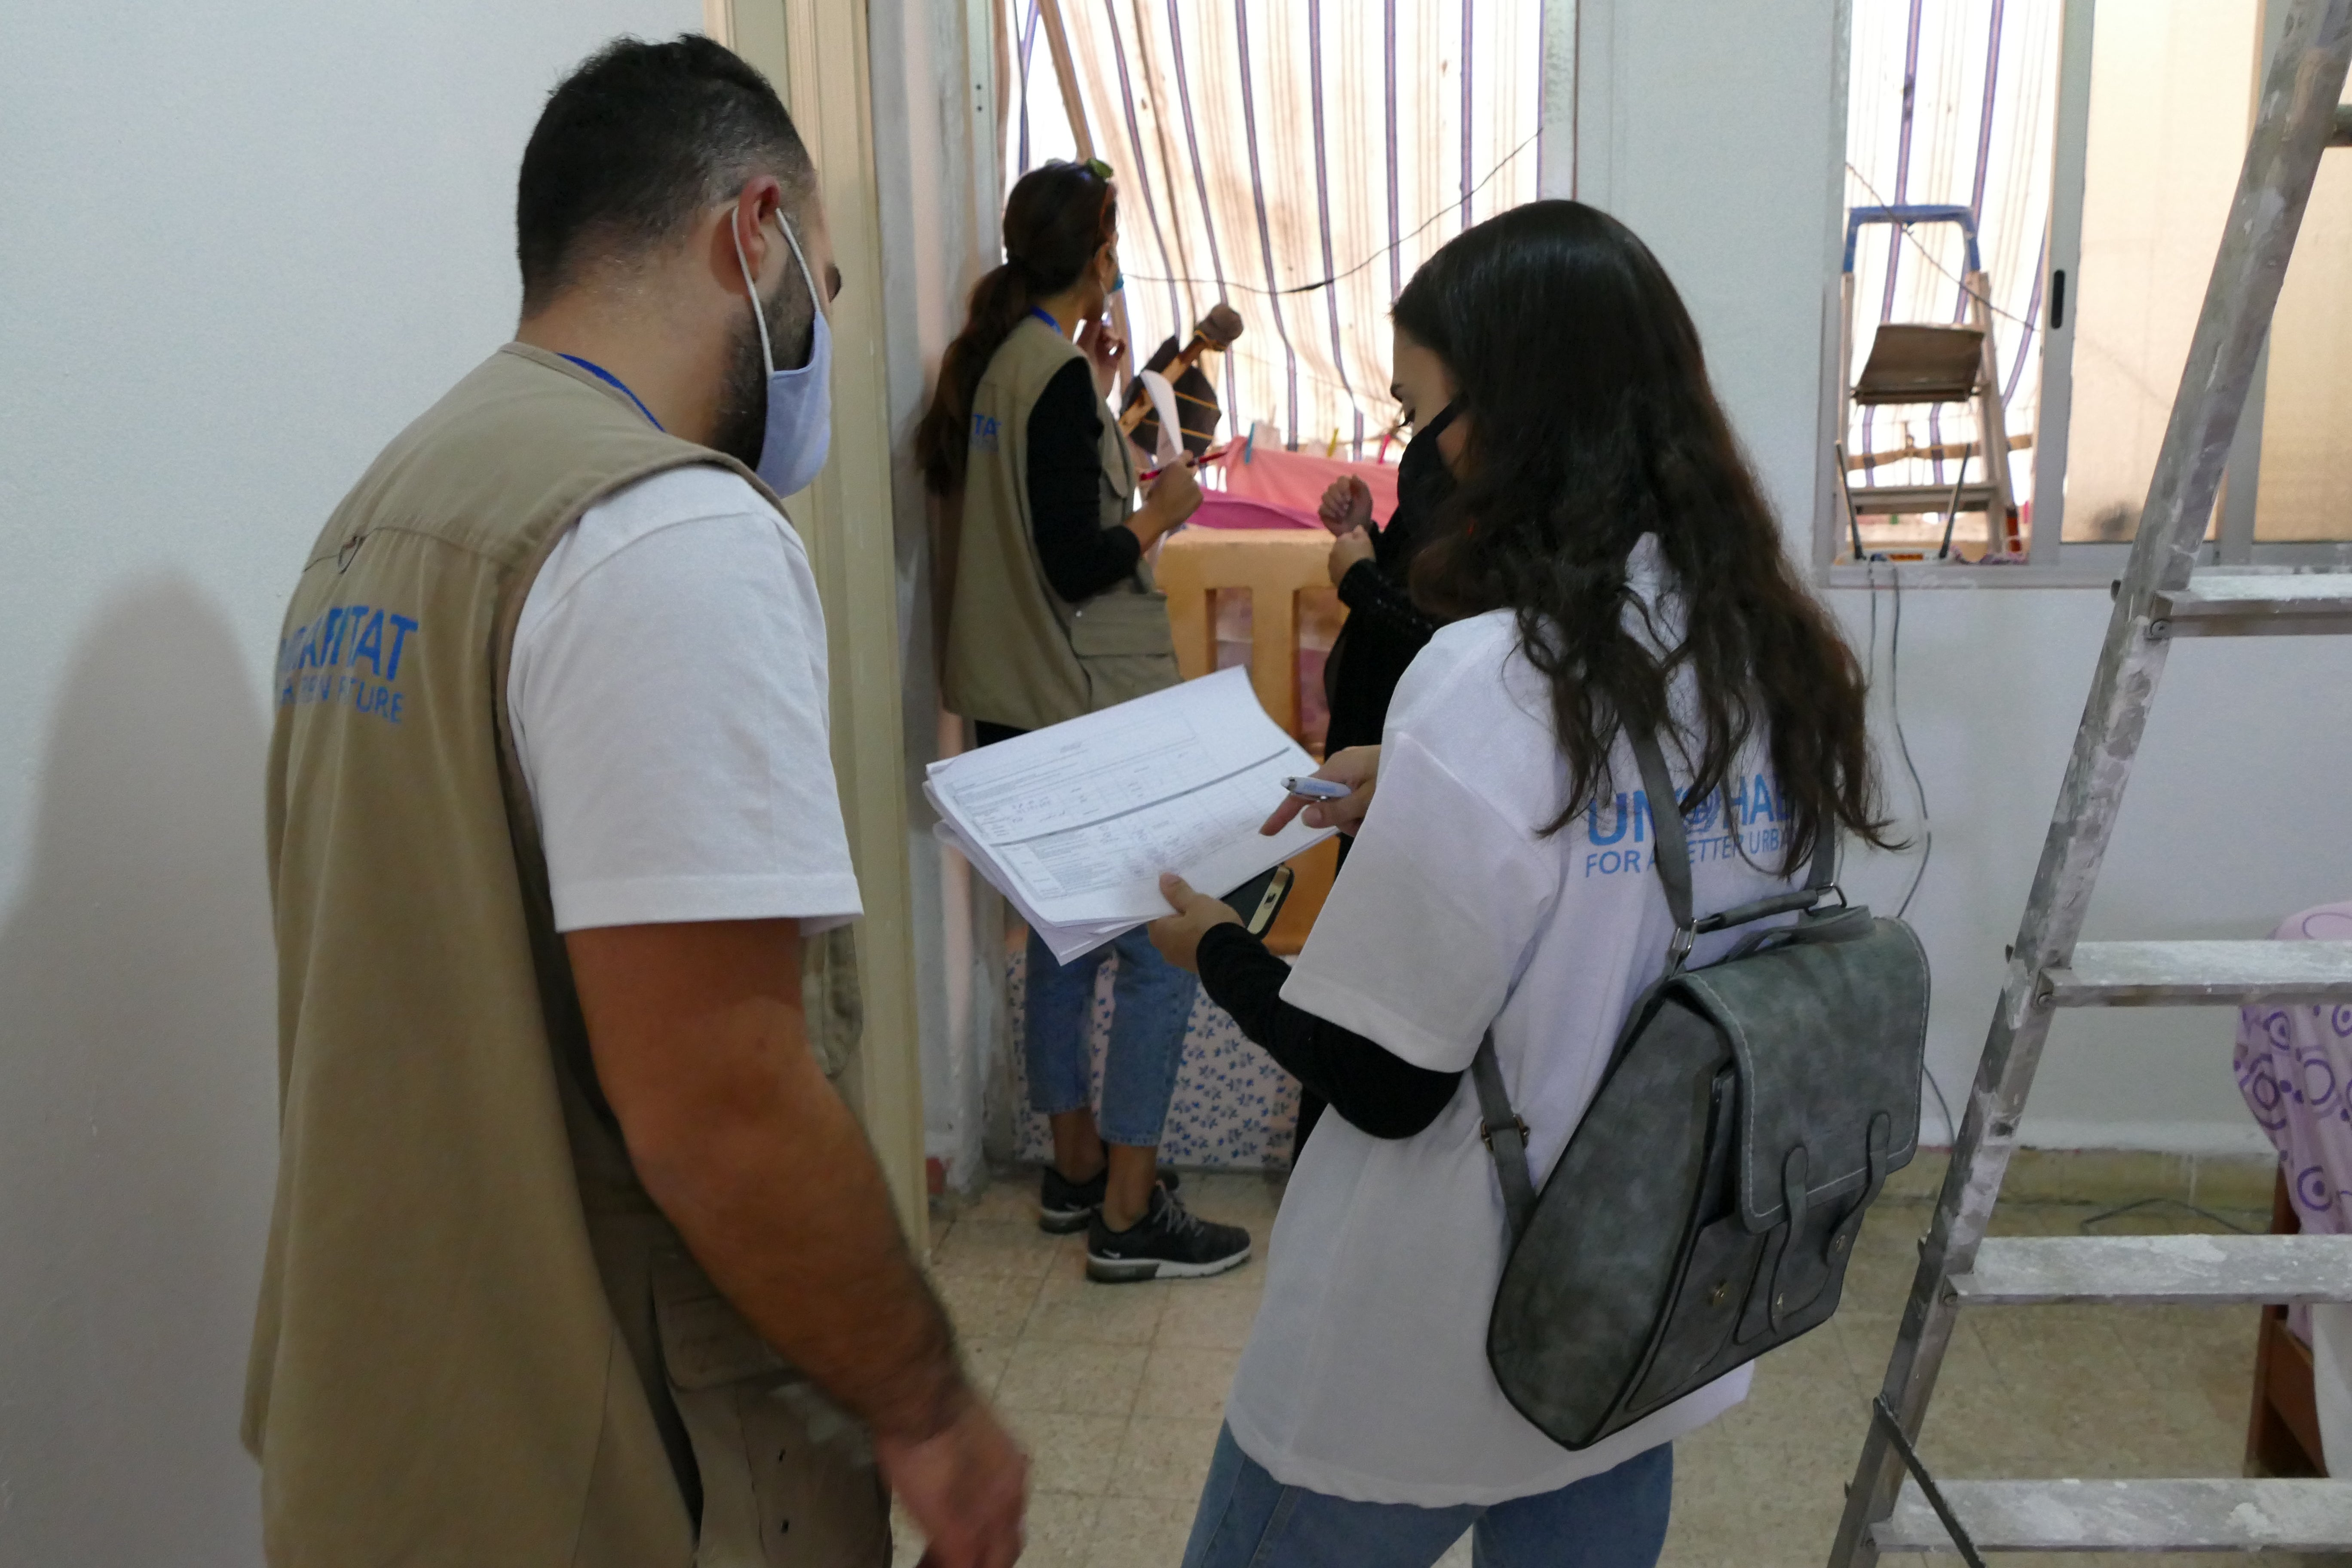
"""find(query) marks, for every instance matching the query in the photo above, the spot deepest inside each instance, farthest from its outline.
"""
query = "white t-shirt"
(670, 706)
(1366, 1374)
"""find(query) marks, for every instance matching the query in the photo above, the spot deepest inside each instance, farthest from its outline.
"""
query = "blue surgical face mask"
(800, 402)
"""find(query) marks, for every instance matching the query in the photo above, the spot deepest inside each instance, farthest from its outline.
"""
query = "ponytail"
(1058, 215)
(943, 440)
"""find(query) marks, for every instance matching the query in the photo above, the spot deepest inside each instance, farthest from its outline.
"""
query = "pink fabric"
(2294, 1068)
(1231, 512)
(1298, 479)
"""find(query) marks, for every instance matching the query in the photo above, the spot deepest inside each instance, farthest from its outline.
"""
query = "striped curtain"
(1952, 103)
(1295, 159)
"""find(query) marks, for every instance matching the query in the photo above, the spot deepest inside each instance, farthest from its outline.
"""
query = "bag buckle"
(1487, 1130)
(1680, 947)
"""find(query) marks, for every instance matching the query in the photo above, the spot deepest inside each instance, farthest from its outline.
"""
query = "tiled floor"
(1117, 1390)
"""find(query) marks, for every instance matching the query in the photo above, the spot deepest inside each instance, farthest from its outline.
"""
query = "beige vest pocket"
(1124, 646)
(788, 1479)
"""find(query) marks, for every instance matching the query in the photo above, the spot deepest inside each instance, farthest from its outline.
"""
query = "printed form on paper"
(1076, 822)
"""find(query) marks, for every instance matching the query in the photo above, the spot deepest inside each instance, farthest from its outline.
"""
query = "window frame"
(2051, 561)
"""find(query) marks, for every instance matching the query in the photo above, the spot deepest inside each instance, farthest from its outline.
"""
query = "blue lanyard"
(1047, 317)
(609, 379)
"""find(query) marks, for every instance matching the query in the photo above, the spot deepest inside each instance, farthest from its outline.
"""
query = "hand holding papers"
(1074, 823)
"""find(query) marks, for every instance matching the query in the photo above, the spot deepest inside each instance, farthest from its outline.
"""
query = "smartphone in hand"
(1260, 899)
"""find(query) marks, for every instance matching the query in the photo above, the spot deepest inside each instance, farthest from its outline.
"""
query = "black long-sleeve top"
(1384, 630)
(1081, 557)
(1372, 1087)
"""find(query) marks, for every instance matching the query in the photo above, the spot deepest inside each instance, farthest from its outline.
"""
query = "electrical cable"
(1903, 743)
(1894, 705)
(2137, 1204)
(1903, 746)
(1951, 1128)
(1339, 277)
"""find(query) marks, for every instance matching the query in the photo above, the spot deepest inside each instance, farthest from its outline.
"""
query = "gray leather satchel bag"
(1705, 1209)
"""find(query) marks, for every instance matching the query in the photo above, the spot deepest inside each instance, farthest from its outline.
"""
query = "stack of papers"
(1074, 823)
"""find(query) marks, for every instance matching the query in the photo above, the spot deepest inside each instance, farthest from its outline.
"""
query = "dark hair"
(1056, 219)
(632, 143)
(1590, 423)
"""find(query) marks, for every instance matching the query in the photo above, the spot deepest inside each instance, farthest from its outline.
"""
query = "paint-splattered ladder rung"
(2200, 974)
(2239, 602)
(2158, 1271)
(2128, 1516)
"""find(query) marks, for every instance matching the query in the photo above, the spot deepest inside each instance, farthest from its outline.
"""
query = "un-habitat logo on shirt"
(1745, 815)
(984, 433)
(350, 653)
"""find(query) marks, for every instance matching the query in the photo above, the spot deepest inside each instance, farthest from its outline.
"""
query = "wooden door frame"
(816, 53)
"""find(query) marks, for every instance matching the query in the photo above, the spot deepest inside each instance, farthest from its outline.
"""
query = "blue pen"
(1319, 789)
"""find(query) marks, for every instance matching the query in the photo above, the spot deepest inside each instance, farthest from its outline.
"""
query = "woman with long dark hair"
(1053, 615)
(1606, 564)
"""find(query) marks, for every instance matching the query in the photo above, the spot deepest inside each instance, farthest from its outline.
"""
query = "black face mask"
(1423, 481)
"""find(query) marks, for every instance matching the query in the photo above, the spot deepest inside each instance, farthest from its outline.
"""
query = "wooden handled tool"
(1217, 330)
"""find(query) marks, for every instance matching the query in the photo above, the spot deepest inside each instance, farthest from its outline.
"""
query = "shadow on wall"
(138, 1118)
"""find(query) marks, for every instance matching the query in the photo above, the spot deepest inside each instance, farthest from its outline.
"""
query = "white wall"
(1707, 127)
(935, 160)
(2234, 818)
(242, 244)
(1710, 127)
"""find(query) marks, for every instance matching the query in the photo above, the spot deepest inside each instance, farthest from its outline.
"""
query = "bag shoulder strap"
(1501, 1127)
(1505, 1137)
(1672, 854)
(1673, 857)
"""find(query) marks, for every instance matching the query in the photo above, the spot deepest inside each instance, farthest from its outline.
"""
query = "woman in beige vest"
(1053, 615)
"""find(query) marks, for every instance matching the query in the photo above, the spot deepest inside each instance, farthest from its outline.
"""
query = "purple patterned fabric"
(2294, 1068)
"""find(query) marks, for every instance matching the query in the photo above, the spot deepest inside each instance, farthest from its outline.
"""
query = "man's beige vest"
(479, 1344)
(1018, 654)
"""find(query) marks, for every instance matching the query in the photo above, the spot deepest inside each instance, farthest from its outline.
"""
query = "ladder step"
(2128, 1516)
(2238, 603)
(2195, 974)
(1880, 500)
(2159, 1270)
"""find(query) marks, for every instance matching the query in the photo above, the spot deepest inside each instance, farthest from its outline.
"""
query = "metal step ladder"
(2161, 597)
(1930, 365)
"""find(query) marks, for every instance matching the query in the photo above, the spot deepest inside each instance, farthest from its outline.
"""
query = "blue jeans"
(1151, 1003)
(1249, 1520)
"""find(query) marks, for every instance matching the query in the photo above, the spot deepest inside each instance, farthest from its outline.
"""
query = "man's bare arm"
(701, 1049)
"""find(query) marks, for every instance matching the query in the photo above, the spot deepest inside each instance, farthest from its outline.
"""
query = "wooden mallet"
(1217, 330)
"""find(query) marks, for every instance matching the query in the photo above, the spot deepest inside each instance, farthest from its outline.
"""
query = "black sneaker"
(1171, 1242)
(1064, 1206)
